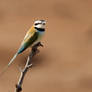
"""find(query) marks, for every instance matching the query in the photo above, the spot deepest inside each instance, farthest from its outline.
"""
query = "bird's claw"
(40, 44)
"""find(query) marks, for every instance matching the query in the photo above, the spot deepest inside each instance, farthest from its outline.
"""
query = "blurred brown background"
(65, 62)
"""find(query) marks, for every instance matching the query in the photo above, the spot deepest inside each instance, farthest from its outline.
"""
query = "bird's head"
(40, 24)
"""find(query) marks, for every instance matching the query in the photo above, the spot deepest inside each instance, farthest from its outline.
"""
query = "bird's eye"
(43, 23)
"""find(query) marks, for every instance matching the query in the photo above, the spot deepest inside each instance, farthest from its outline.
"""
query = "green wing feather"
(28, 41)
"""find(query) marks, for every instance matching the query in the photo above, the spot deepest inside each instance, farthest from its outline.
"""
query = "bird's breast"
(40, 36)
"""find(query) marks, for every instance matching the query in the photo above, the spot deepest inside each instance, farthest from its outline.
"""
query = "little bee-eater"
(32, 37)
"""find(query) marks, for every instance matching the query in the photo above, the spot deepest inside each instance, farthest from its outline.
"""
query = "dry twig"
(27, 66)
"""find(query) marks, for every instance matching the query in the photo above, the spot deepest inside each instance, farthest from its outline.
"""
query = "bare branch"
(27, 67)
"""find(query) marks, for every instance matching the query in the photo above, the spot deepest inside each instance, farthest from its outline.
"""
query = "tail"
(11, 61)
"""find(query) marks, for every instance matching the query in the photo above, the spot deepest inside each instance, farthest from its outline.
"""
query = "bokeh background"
(65, 62)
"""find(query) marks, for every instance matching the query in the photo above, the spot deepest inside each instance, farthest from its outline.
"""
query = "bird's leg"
(35, 47)
(38, 44)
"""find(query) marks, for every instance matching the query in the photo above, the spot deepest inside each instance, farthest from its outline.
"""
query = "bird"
(32, 37)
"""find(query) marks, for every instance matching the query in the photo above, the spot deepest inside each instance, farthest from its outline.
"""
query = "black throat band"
(40, 29)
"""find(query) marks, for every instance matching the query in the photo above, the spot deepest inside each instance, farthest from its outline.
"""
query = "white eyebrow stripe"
(38, 22)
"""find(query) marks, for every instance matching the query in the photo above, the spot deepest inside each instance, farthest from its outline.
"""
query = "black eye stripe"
(37, 23)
